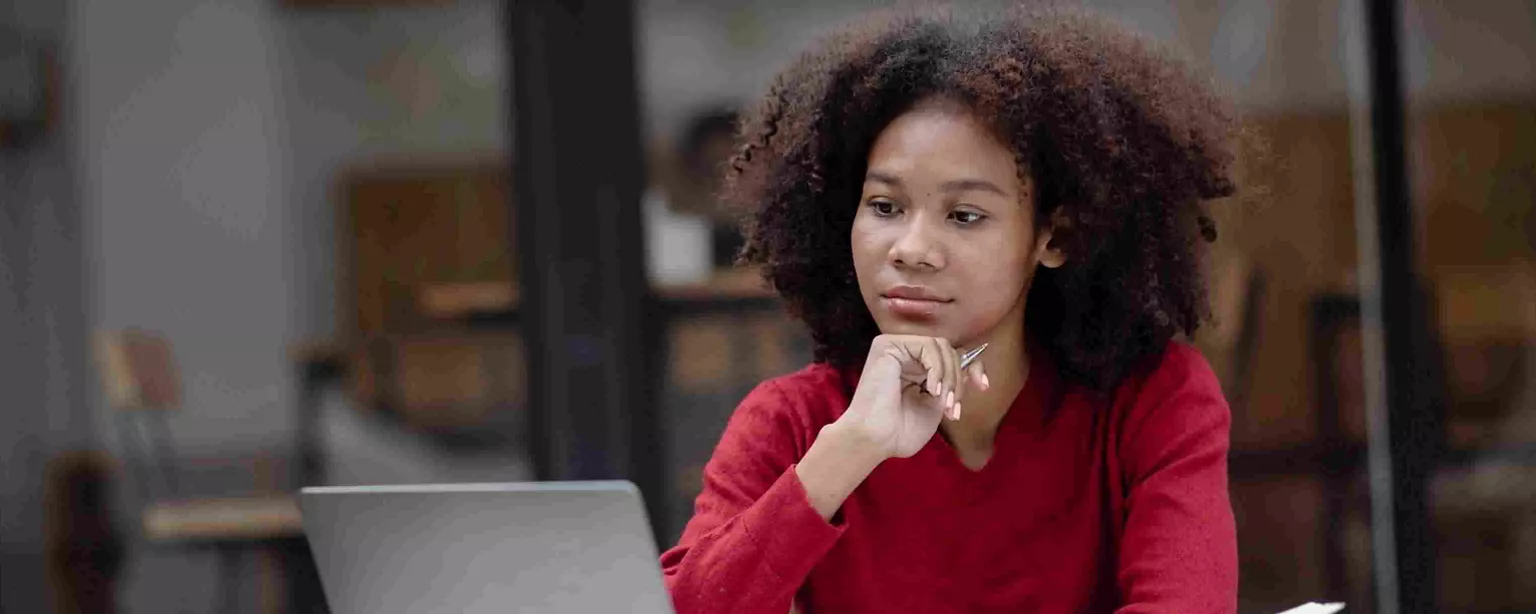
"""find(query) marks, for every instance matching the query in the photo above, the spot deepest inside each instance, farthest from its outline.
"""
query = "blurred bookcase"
(427, 257)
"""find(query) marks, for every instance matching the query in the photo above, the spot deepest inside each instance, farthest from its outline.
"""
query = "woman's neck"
(1007, 367)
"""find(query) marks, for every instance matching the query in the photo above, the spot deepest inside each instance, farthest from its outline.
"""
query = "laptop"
(548, 547)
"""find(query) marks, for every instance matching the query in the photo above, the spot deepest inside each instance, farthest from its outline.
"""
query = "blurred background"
(252, 245)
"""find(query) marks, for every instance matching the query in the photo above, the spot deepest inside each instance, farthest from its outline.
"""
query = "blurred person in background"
(689, 234)
(707, 147)
(920, 187)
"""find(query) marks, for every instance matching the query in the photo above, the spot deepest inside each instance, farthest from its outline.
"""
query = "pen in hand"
(966, 359)
(971, 356)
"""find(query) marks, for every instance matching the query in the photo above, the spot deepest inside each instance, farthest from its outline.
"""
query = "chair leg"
(229, 580)
(166, 461)
(137, 457)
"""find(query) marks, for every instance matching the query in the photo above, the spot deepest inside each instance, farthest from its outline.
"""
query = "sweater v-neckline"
(1027, 402)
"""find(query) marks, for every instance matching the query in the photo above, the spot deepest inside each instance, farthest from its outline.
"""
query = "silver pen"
(965, 361)
(969, 357)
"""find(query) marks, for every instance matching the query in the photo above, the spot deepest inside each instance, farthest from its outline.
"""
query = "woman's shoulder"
(1177, 379)
(813, 378)
(816, 394)
(1180, 362)
(789, 410)
(1171, 408)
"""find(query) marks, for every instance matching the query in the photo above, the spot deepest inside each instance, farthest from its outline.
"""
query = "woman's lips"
(912, 308)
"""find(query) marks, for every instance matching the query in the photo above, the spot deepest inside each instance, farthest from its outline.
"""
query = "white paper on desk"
(1315, 608)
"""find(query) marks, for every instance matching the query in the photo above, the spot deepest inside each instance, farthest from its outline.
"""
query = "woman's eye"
(883, 208)
(966, 217)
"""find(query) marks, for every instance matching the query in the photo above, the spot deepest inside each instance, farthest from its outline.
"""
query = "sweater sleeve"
(1179, 548)
(754, 536)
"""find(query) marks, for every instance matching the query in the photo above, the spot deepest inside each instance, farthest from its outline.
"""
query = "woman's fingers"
(934, 364)
(952, 377)
(936, 349)
(976, 374)
(935, 353)
(916, 364)
(934, 384)
(927, 353)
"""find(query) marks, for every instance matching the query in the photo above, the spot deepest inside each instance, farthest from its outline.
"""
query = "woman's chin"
(961, 337)
(918, 328)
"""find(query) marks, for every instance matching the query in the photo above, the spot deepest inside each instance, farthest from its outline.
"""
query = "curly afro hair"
(1125, 142)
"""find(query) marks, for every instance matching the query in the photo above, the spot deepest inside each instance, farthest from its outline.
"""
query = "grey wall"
(184, 182)
(42, 407)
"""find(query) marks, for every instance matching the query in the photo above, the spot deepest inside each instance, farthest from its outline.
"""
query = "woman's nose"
(917, 246)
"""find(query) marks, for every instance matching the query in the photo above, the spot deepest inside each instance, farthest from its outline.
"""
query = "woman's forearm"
(836, 464)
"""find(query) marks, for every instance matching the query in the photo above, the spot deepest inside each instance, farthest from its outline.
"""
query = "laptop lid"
(551, 547)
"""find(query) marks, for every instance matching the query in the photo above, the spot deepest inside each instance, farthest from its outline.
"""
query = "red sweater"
(1117, 506)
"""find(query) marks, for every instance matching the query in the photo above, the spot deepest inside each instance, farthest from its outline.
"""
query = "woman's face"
(945, 242)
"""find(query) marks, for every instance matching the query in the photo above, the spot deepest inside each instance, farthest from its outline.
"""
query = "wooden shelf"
(727, 284)
(363, 4)
(452, 301)
(488, 305)
(229, 519)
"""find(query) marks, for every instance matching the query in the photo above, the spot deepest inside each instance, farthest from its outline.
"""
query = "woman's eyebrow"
(952, 186)
(970, 185)
(881, 177)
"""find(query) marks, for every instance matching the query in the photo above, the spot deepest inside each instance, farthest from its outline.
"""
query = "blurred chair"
(84, 550)
(1484, 501)
(143, 386)
(1481, 484)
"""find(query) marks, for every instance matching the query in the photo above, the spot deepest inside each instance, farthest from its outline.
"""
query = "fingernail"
(949, 398)
(986, 382)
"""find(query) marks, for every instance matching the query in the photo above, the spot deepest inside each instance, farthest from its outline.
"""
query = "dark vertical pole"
(1412, 424)
(577, 177)
(1331, 316)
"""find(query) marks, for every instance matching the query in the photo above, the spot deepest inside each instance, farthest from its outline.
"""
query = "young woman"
(922, 187)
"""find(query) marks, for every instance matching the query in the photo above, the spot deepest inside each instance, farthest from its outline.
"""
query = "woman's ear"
(1050, 254)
